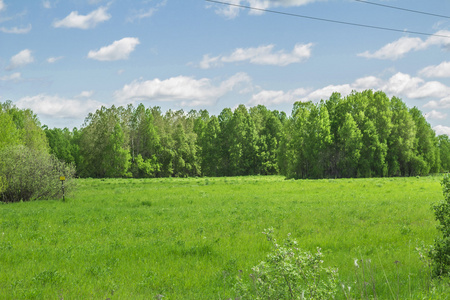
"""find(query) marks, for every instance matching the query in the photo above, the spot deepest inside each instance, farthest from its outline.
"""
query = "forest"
(364, 134)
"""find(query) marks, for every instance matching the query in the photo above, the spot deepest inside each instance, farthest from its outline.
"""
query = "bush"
(31, 175)
(289, 273)
(440, 255)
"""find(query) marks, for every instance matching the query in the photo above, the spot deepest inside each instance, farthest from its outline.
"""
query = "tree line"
(365, 134)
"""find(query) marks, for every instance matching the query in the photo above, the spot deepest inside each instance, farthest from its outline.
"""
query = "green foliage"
(441, 252)
(28, 174)
(289, 273)
(365, 134)
(20, 127)
(444, 151)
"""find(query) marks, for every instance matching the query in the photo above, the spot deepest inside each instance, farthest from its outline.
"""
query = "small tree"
(289, 273)
(28, 174)
(441, 252)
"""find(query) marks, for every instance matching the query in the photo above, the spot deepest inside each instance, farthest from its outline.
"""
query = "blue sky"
(66, 58)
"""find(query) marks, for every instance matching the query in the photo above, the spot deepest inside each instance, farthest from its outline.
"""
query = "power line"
(327, 20)
(404, 9)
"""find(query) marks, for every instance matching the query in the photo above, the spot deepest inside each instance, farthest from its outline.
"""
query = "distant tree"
(210, 148)
(444, 152)
(401, 140)
(103, 145)
(350, 145)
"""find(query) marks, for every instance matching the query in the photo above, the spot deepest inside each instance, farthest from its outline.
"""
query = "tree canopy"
(365, 134)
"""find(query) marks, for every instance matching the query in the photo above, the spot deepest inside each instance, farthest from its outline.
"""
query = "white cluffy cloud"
(145, 12)
(440, 129)
(13, 77)
(21, 59)
(16, 30)
(444, 103)
(118, 50)
(189, 90)
(2, 5)
(231, 11)
(74, 20)
(400, 85)
(435, 115)
(54, 59)
(58, 107)
(441, 70)
(262, 55)
(402, 46)
(46, 4)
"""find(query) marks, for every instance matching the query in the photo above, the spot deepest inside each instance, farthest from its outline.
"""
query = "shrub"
(31, 175)
(440, 255)
(289, 273)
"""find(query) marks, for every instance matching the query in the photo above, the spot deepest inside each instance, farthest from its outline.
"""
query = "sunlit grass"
(188, 238)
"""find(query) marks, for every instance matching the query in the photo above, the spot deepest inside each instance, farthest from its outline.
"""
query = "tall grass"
(189, 238)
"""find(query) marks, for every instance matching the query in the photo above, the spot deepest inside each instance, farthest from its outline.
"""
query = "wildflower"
(356, 263)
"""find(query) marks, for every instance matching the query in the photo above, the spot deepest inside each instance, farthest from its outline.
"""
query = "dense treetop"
(365, 134)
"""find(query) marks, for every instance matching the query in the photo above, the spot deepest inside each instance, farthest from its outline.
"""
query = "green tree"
(243, 143)
(401, 139)
(210, 148)
(103, 145)
(426, 153)
(444, 151)
(350, 144)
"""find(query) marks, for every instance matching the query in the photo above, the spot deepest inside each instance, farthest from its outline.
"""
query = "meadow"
(190, 238)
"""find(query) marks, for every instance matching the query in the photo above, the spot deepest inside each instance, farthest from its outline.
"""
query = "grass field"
(188, 238)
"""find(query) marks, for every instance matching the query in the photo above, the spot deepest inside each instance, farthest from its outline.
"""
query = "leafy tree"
(210, 148)
(243, 143)
(144, 143)
(116, 158)
(350, 144)
(9, 134)
(103, 145)
(401, 139)
(444, 151)
(426, 154)
(225, 137)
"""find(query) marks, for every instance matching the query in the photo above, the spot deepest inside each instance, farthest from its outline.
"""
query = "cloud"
(404, 45)
(262, 55)
(440, 129)
(441, 104)
(145, 12)
(16, 30)
(400, 85)
(395, 50)
(21, 59)
(13, 77)
(46, 4)
(435, 115)
(118, 50)
(74, 20)
(189, 90)
(58, 107)
(52, 60)
(230, 11)
(414, 87)
(85, 94)
(277, 97)
(441, 70)
(2, 5)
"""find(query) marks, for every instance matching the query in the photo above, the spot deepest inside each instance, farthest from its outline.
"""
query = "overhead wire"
(404, 9)
(327, 20)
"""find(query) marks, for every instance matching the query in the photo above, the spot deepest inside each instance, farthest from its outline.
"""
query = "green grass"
(188, 238)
